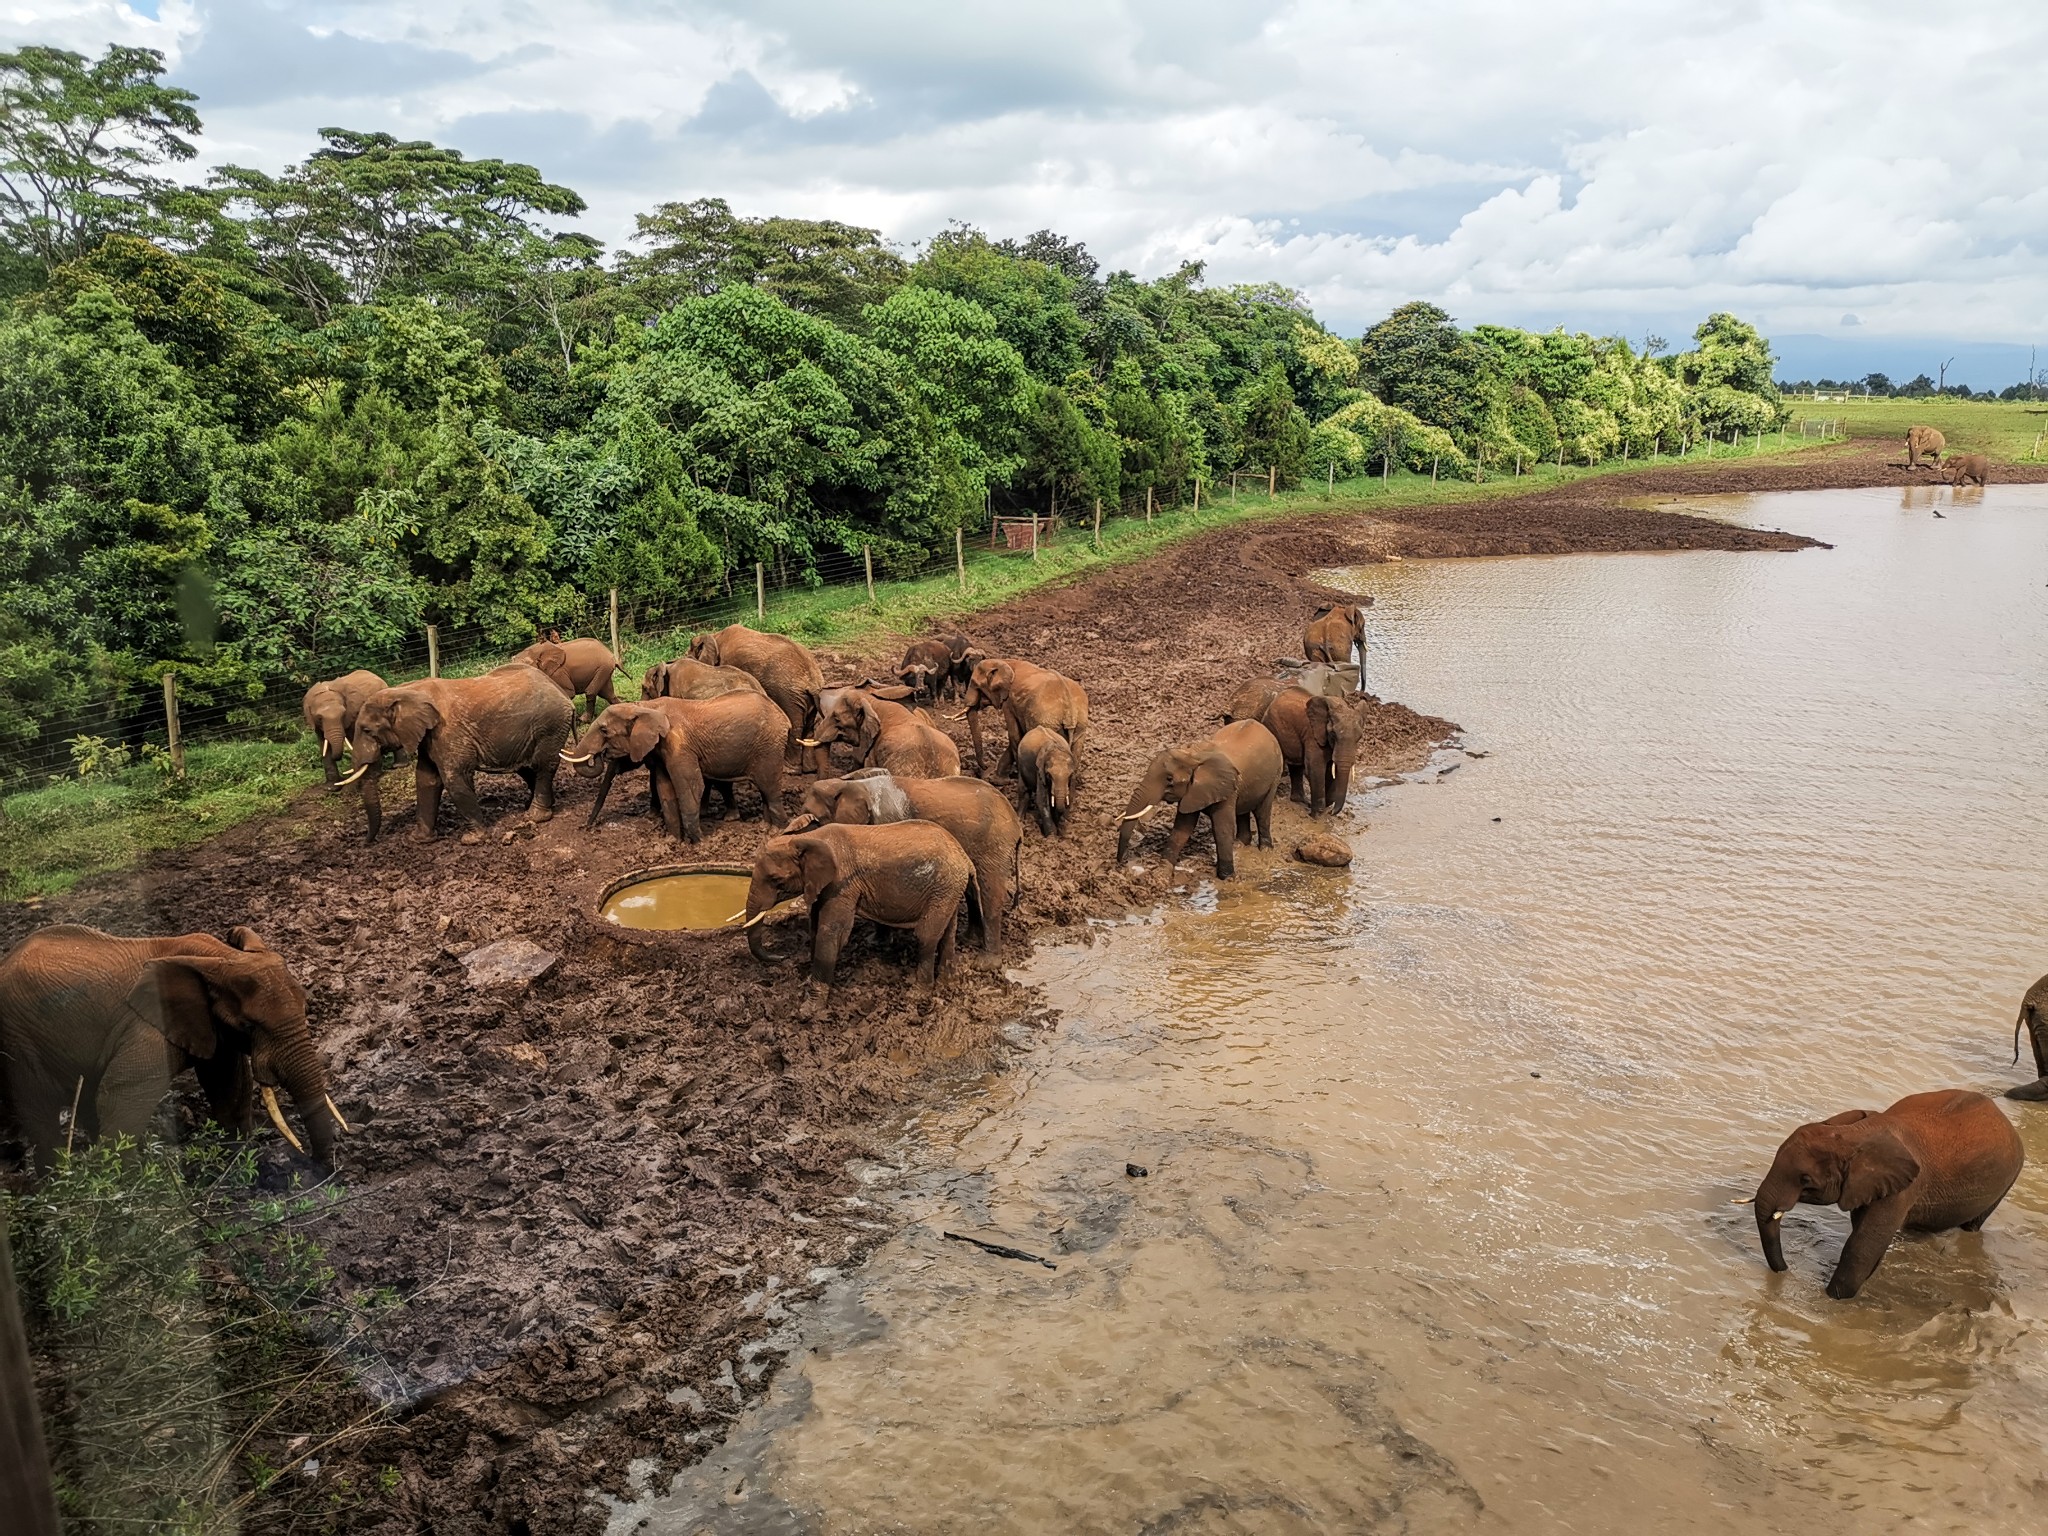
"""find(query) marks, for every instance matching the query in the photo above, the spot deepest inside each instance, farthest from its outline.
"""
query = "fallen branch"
(999, 1250)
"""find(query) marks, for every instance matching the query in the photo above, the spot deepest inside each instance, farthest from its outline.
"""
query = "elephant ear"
(1880, 1165)
(1322, 718)
(645, 735)
(411, 718)
(870, 728)
(245, 939)
(171, 996)
(1215, 781)
(896, 693)
(1321, 609)
(824, 865)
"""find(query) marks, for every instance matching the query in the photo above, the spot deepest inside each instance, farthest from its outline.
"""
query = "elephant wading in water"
(107, 1023)
(693, 743)
(1319, 737)
(1028, 696)
(330, 710)
(687, 679)
(1923, 443)
(787, 673)
(1334, 632)
(576, 666)
(908, 874)
(1929, 1163)
(1231, 777)
(2034, 1020)
(887, 733)
(512, 720)
(980, 820)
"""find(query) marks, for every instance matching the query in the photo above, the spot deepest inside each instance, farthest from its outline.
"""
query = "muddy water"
(1435, 1234)
(696, 899)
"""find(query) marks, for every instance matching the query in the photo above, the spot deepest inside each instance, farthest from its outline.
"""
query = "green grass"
(2010, 431)
(57, 834)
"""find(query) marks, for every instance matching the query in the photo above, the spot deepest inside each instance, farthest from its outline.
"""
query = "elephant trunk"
(296, 1065)
(1144, 800)
(762, 894)
(1774, 1197)
(372, 784)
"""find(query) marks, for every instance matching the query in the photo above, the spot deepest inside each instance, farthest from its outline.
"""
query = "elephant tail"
(1017, 874)
(975, 913)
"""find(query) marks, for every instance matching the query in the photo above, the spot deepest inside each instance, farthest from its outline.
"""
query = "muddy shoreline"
(597, 1192)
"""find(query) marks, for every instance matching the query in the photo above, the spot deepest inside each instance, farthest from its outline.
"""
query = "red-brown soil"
(594, 1192)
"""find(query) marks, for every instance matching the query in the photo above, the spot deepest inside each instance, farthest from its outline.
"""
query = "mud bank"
(598, 1191)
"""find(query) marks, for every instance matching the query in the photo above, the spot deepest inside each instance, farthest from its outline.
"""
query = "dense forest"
(258, 429)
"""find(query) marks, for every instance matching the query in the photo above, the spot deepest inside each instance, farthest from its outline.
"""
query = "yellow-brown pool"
(695, 899)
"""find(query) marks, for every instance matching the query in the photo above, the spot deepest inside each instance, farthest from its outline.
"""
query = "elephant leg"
(1223, 822)
(229, 1087)
(426, 790)
(526, 777)
(131, 1087)
(544, 791)
(1871, 1230)
(767, 777)
(1177, 839)
(2030, 1093)
(936, 952)
(2034, 1039)
(37, 1104)
(1295, 792)
(1262, 813)
(831, 928)
(462, 794)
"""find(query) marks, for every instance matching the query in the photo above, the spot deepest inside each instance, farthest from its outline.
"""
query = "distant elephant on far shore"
(1924, 442)
(2034, 1020)
(1965, 467)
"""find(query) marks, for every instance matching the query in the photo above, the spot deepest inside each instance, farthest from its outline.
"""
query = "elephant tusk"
(572, 758)
(277, 1117)
(757, 917)
(334, 1109)
(1745, 1200)
(360, 770)
(1135, 815)
(1777, 1215)
(805, 741)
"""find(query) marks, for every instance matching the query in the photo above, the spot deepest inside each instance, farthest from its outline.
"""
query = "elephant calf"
(330, 710)
(1028, 695)
(909, 874)
(687, 679)
(2034, 1020)
(696, 743)
(1045, 778)
(1232, 777)
(1931, 1162)
(886, 733)
(1965, 467)
(975, 813)
(1333, 632)
(576, 666)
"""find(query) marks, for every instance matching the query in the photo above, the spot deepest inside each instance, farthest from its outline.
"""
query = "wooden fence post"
(1148, 503)
(867, 559)
(1386, 463)
(1098, 522)
(1198, 495)
(615, 624)
(433, 650)
(1560, 456)
(1272, 480)
(177, 737)
(1518, 463)
(1434, 458)
(960, 556)
(1034, 535)
(1331, 488)
(760, 590)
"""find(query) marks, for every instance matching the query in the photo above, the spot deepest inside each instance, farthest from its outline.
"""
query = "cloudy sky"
(1867, 174)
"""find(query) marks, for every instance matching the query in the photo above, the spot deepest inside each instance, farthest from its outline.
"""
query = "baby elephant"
(908, 874)
(1965, 467)
(1930, 1162)
(1045, 774)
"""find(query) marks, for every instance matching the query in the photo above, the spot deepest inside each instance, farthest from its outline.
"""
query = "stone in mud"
(509, 963)
(1325, 850)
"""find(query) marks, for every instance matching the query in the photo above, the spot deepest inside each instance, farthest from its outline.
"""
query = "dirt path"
(599, 1192)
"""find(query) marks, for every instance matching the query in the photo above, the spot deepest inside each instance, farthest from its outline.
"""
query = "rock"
(1324, 850)
(509, 963)
(1136, 1171)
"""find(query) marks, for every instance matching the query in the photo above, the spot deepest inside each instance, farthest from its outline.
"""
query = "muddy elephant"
(1045, 778)
(1334, 632)
(330, 713)
(1319, 737)
(105, 1023)
(695, 743)
(886, 733)
(981, 821)
(1232, 777)
(1026, 695)
(908, 874)
(787, 672)
(511, 720)
(687, 679)
(2034, 1020)
(1923, 442)
(576, 667)
(1931, 1162)
(1965, 467)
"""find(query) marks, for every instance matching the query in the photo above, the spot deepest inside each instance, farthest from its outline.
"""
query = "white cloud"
(1580, 162)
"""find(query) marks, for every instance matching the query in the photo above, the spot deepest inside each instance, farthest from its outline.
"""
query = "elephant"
(576, 666)
(687, 679)
(1931, 1162)
(886, 733)
(1028, 695)
(330, 712)
(1965, 467)
(1255, 695)
(927, 670)
(907, 874)
(1319, 737)
(512, 720)
(1926, 441)
(975, 813)
(787, 672)
(1233, 776)
(1334, 632)
(695, 741)
(105, 1023)
(2034, 1020)
(1045, 777)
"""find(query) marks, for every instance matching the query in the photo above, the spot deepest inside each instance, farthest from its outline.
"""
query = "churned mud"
(597, 1191)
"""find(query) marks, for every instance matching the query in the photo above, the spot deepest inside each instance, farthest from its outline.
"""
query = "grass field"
(2013, 432)
(58, 833)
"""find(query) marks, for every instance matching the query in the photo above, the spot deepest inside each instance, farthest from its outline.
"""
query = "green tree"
(819, 266)
(1419, 360)
(79, 144)
(972, 382)
(1033, 305)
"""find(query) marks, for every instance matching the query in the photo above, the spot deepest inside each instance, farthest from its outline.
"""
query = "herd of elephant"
(94, 1028)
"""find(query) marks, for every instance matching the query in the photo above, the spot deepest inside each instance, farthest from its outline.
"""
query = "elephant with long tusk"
(113, 1021)
(330, 710)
